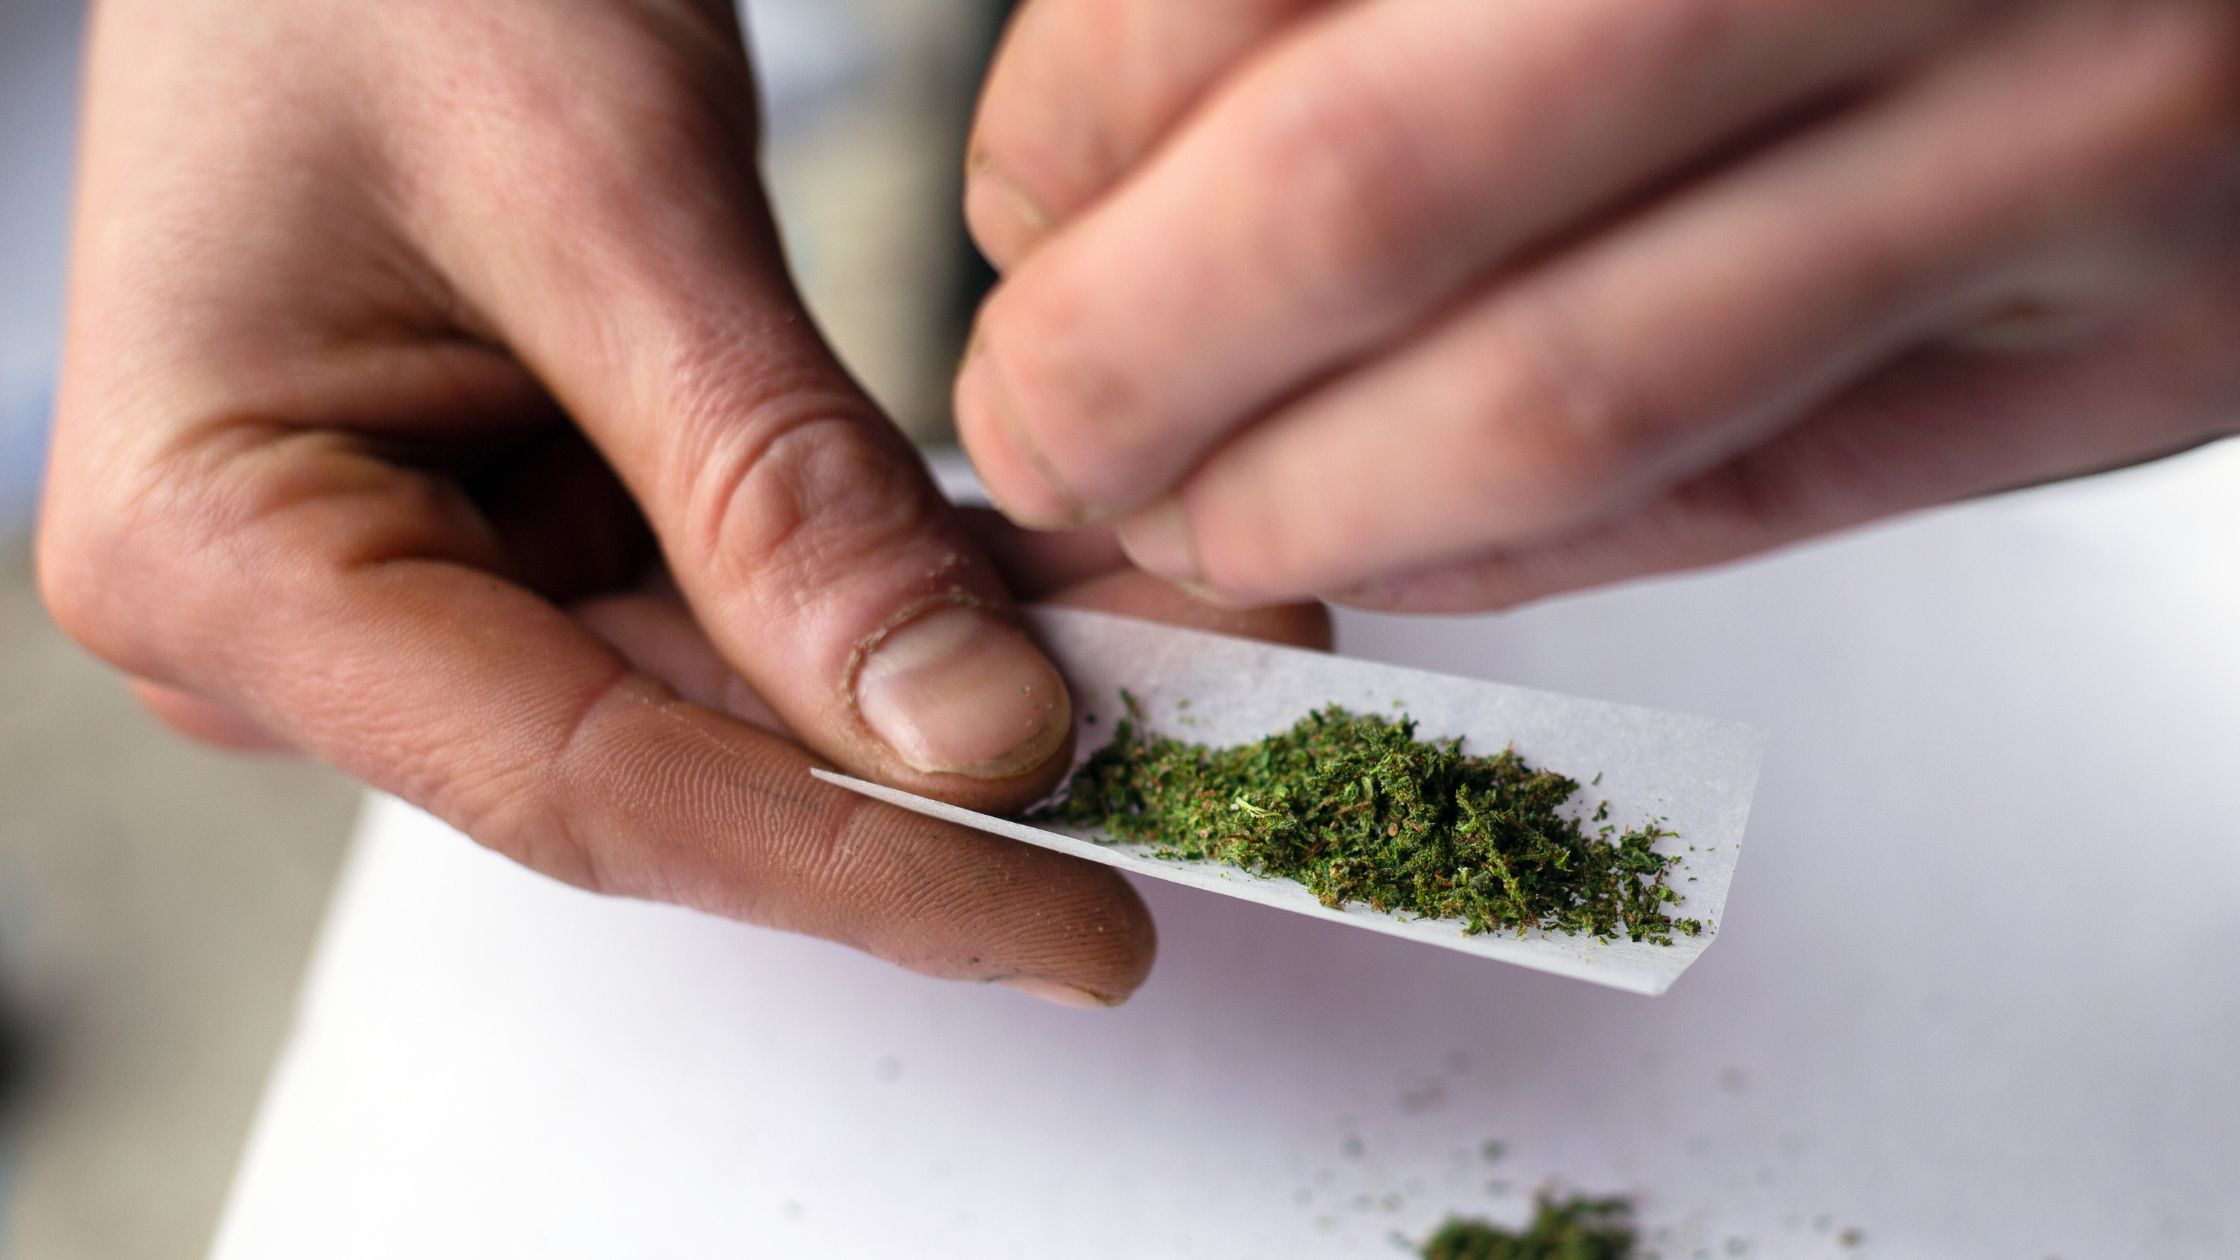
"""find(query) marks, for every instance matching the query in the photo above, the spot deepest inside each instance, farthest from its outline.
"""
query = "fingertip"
(994, 911)
(1157, 539)
(1018, 477)
(1005, 220)
(1097, 950)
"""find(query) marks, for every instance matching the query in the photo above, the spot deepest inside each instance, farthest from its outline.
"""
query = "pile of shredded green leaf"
(1575, 1229)
(1360, 810)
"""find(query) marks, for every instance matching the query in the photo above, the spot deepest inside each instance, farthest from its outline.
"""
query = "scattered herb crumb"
(1570, 1229)
(1359, 810)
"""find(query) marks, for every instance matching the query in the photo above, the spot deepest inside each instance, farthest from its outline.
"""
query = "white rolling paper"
(1694, 775)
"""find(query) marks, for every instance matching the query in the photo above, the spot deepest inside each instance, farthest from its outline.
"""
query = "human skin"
(436, 402)
(1447, 305)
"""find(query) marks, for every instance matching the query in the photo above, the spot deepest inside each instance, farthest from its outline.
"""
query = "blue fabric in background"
(39, 41)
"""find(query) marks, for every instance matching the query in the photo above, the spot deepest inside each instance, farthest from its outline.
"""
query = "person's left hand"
(404, 337)
(1446, 304)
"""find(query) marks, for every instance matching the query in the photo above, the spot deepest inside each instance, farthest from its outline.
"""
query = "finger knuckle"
(1553, 426)
(1345, 152)
(532, 809)
(798, 495)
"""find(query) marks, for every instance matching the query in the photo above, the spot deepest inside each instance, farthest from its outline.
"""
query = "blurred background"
(157, 902)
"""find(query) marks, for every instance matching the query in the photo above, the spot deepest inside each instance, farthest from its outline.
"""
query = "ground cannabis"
(1571, 1229)
(1360, 810)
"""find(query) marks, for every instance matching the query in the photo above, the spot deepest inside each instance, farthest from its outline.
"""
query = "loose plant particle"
(1570, 1229)
(1359, 810)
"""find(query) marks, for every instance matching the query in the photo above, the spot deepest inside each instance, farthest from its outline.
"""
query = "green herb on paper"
(1573, 1229)
(1359, 810)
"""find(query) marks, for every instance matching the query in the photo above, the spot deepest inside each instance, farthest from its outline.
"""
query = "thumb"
(643, 282)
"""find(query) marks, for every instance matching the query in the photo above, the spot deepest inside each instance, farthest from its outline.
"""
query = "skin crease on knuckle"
(1532, 438)
(722, 834)
(147, 569)
(733, 839)
(1368, 187)
(822, 526)
(782, 505)
(1570, 427)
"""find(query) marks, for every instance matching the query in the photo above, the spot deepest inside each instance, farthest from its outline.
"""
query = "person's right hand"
(399, 330)
(1447, 305)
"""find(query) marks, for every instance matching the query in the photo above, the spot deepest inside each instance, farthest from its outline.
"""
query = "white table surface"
(1977, 993)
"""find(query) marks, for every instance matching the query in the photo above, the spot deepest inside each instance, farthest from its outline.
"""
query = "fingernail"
(959, 691)
(1023, 484)
(1006, 221)
(1058, 994)
(1157, 539)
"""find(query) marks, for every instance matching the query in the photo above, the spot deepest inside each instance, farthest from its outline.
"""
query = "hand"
(1446, 304)
(399, 331)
